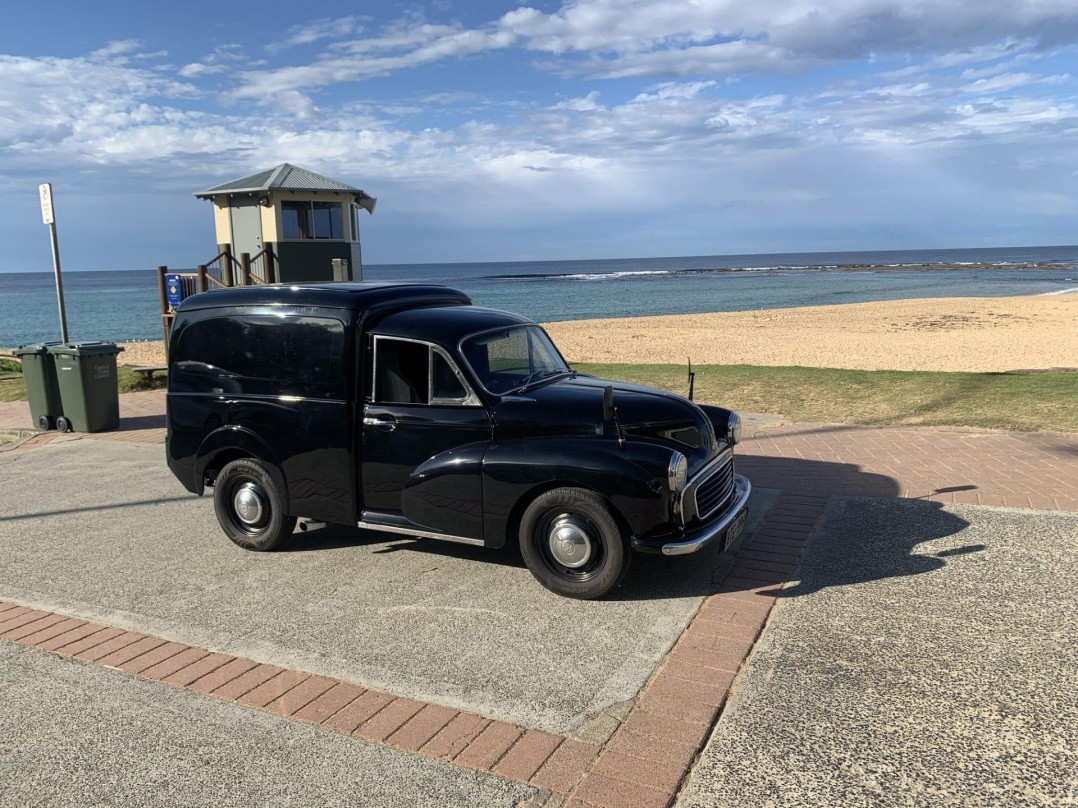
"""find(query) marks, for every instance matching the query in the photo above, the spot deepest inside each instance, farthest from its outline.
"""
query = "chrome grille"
(714, 492)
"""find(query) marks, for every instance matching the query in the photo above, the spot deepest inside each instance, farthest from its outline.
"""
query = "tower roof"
(286, 177)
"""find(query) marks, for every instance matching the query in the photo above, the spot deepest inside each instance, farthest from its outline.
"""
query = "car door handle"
(386, 423)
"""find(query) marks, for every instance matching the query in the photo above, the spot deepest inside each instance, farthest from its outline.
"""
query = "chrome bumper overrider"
(698, 539)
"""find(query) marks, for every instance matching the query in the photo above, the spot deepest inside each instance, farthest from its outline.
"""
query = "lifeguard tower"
(292, 222)
(282, 225)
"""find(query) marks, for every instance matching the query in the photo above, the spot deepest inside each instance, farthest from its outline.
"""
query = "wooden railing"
(223, 271)
(220, 271)
(261, 267)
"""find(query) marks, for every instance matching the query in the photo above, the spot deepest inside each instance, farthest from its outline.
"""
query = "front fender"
(234, 440)
(631, 479)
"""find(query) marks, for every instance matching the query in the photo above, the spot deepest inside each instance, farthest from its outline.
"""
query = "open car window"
(412, 372)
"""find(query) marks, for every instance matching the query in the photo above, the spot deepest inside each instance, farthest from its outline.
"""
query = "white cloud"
(223, 59)
(1012, 81)
(587, 103)
(674, 90)
(637, 146)
(619, 39)
(196, 70)
(327, 28)
(421, 46)
(116, 48)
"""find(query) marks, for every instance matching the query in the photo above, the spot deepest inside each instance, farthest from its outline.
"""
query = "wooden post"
(226, 266)
(271, 265)
(245, 268)
(201, 273)
(164, 305)
(161, 288)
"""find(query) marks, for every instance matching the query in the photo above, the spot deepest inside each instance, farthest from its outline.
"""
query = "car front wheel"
(250, 506)
(572, 544)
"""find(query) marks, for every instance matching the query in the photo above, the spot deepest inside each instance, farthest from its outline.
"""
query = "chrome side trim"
(421, 534)
(696, 540)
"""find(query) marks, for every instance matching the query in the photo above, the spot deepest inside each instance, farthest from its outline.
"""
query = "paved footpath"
(641, 753)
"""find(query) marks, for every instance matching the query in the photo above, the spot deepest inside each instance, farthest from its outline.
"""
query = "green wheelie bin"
(39, 376)
(89, 390)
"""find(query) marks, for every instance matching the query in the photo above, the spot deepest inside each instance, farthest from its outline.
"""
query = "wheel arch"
(228, 443)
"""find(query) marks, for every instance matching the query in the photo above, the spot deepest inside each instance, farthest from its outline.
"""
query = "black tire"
(44, 422)
(572, 544)
(63, 424)
(250, 506)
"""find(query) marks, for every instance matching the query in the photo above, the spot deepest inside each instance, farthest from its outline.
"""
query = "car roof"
(355, 296)
(446, 325)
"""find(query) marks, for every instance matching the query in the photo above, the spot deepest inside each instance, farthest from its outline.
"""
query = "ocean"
(123, 305)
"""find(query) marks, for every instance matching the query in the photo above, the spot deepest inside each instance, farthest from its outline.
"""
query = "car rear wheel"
(250, 506)
(572, 544)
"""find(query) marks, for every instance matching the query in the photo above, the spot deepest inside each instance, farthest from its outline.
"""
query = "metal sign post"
(49, 217)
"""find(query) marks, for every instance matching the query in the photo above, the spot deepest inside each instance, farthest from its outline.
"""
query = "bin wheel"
(250, 506)
(63, 424)
(44, 422)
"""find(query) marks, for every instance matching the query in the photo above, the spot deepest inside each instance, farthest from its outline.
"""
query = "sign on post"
(48, 216)
(46, 203)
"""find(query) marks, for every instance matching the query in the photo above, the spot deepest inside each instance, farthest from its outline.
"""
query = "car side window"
(257, 354)
(407, 372)
(446, 386)
(402, 371)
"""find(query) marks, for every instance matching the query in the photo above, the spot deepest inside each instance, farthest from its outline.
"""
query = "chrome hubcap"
(569, 541)
(249, 503)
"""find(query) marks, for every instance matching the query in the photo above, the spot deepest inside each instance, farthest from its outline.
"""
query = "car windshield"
(512, 359)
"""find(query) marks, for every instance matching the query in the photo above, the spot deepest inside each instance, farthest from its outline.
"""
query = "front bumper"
(694, 540)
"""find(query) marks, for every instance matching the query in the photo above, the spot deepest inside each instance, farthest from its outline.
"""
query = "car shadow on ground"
(701, 574)
(874, 549)
(135, 423)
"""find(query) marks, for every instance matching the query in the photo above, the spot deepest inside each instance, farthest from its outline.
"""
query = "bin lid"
(84, 348)
(30, 350)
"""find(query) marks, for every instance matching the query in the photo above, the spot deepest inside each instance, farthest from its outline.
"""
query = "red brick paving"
(643, 763)
(329, 703)
(418, 730)
(388, 720)
(142, 420)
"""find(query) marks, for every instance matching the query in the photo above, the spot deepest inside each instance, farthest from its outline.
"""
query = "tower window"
(305, 220)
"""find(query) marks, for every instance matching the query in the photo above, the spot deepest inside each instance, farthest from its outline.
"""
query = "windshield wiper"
(540, 376)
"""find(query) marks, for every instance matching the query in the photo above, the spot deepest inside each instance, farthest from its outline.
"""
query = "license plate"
(735, 529)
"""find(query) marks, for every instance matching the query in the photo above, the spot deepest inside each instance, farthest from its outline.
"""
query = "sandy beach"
(947, 334)
(943, 334)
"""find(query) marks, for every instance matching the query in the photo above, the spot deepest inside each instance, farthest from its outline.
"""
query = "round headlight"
(733, 428)
(678, 471)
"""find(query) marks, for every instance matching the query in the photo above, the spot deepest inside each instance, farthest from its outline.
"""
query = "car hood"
(573, 406)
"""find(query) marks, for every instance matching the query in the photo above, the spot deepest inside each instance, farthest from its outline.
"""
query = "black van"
(404, 408)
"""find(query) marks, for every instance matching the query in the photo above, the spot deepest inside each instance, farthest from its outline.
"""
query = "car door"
(421, 407)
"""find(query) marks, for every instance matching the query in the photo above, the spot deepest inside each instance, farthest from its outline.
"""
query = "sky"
(552, 130)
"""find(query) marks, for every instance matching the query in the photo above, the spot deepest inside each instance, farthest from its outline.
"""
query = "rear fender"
(228, 443)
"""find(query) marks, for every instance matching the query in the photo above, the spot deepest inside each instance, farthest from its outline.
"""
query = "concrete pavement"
(635, 752)
(924, 655)
(464, 627)
(77, 735)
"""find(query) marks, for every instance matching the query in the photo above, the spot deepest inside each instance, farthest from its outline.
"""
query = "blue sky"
(588, 129)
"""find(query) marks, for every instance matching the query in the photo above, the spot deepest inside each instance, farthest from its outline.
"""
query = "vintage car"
(403, 408)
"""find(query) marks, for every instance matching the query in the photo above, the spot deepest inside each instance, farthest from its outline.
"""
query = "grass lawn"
(1027, 401)
(1020, 401)
(13, 389)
